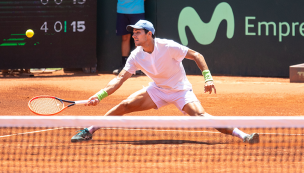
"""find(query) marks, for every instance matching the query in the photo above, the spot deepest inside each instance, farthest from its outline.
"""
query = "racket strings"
(46, 106)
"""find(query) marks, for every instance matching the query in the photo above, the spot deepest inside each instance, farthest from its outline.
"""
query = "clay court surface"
(152, 150)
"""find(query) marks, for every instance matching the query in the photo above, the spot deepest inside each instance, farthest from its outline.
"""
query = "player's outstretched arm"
(202, 65)
(110, 88)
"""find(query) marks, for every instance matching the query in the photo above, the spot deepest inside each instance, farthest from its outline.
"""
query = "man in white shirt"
(161, 60)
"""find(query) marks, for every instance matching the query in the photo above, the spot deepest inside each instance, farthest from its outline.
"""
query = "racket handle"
(81, 102)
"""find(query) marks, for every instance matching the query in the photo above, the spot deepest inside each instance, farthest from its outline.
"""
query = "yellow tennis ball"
(29, 33)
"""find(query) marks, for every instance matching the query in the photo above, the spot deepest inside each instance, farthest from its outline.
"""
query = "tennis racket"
(49, 105)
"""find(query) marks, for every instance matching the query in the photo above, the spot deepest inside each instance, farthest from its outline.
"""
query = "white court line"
(30, 132)
(149, 130)
(39, 131)
(282, 134)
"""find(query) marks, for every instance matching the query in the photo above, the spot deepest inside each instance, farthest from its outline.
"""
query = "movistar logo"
(205, 33)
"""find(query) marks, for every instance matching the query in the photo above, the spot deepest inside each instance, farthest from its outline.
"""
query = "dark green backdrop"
(108, 44)
(243, 54)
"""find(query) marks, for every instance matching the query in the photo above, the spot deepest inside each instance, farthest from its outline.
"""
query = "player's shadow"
(153, 142)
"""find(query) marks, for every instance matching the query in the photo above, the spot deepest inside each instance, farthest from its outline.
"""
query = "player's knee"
(126, 106)
(123, 105)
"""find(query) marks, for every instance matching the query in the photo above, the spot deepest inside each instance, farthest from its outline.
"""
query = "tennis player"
(161, 60)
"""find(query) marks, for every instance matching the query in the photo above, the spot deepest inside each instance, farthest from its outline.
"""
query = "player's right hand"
(209, 86)
(93, 101)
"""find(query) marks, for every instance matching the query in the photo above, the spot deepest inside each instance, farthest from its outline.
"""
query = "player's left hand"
(208, 87)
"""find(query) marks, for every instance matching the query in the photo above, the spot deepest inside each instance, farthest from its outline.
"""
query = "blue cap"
(142, 24)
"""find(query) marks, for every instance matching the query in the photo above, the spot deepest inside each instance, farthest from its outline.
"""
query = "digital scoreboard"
(64, 33)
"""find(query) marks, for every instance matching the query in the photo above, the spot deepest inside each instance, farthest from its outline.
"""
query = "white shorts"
(163, 97)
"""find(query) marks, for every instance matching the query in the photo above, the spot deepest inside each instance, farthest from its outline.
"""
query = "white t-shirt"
(164, 65)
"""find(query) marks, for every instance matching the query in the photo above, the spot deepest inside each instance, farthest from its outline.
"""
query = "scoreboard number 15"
(58, 27)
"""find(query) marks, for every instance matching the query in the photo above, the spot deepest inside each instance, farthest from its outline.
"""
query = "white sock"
(238, 133)
(92, 129)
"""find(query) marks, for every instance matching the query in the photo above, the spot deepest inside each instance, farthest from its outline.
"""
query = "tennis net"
(150, 144)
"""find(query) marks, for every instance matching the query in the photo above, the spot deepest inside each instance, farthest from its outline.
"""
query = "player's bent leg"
(138, 101)
(196, 109)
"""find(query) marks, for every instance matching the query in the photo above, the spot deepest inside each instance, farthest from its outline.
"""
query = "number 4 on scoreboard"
(44, 27)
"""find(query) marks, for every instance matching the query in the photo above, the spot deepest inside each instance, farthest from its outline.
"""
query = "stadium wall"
(108, 43)
(244, 38)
